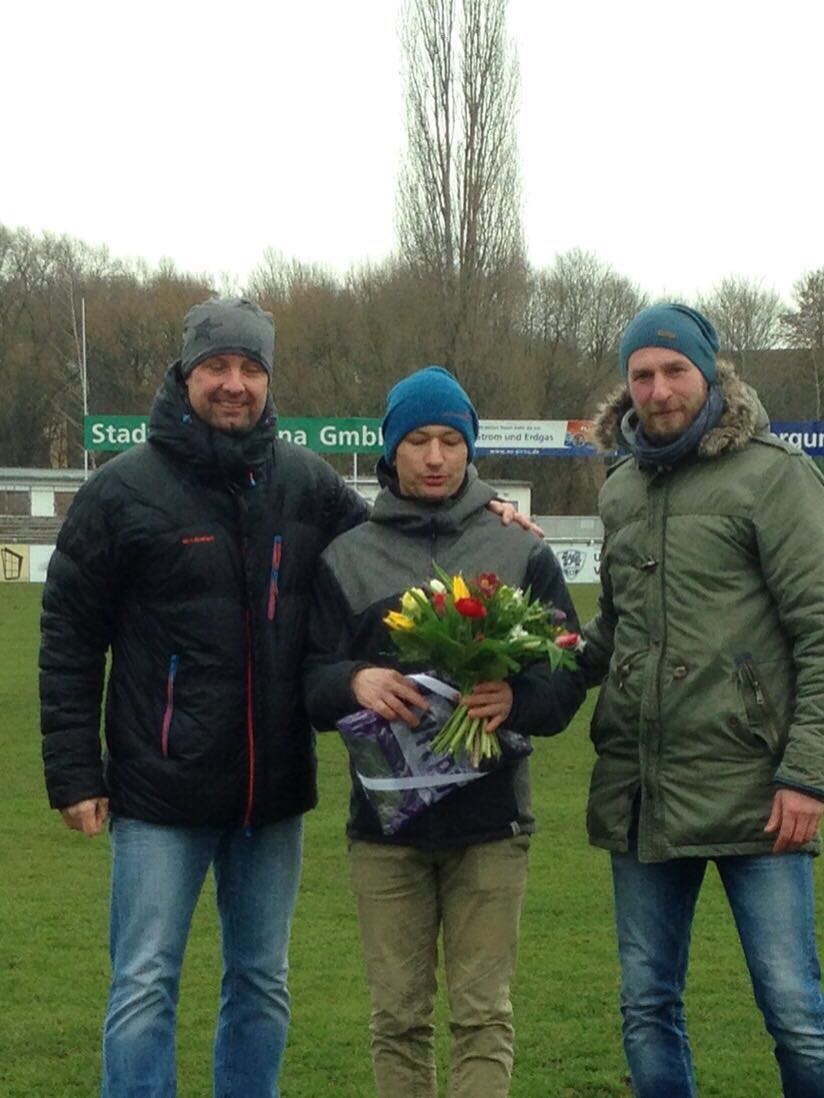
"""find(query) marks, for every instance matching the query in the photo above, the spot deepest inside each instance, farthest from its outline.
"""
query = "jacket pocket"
(760, 712)
(274, 578)
(617, 705)
(170, 705)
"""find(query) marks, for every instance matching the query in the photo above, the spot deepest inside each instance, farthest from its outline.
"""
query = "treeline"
(543, 346)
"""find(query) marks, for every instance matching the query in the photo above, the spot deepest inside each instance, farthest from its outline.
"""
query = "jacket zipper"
(240, 510)
(170, 705)
(748, 670)
(274, 590)
(750, 675)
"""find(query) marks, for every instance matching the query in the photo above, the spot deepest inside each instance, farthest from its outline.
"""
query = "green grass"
(53, 960)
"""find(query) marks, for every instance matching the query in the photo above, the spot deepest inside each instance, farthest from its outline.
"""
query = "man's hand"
(492, 700)
(795, 817)
(388, 693)
(87, 816)
(507, 513)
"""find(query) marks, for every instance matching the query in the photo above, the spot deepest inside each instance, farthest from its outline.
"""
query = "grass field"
(53, 960)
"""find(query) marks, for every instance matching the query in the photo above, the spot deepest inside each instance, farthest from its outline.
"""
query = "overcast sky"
(680, 142)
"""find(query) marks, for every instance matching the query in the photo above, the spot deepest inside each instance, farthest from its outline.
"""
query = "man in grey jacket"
(709, 727)
(460, 865)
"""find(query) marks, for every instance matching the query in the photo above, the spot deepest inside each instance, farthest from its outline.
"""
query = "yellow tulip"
(459, 588)
(398, 621)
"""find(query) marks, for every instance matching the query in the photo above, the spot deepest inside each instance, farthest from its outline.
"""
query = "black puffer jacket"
(192, 557)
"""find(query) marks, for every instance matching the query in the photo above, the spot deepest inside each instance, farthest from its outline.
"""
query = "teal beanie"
(429, 396)
(676, 327)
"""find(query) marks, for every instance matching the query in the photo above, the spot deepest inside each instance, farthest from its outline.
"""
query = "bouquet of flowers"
(475, 631)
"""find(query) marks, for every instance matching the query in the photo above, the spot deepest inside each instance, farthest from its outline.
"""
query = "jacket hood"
(743, 418)
(175, 428)
(423, 516)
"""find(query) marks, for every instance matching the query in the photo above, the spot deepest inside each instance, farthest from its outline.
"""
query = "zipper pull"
(749, 671)
(759, 697)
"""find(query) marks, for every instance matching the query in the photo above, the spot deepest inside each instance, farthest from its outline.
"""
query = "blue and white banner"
(807, 434)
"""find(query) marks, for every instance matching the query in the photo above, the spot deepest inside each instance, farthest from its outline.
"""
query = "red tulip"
(470, 608)
(439, 602)
(487, 583)
(567, 640)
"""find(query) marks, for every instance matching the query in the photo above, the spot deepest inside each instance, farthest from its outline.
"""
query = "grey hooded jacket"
(363, 574)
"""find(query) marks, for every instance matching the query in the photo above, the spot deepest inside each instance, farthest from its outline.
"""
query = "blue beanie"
(674, 326)
(429, 396)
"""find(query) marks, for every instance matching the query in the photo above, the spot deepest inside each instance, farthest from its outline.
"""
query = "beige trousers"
(404, 897)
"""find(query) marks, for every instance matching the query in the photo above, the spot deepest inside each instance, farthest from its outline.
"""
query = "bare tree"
(746, 315)
(276, 277)
(459, 198)
(804, 326)
(578, 308)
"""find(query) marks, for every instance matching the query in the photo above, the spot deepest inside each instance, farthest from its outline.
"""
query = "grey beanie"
(227, 326)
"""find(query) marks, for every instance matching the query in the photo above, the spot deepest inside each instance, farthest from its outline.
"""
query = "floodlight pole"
(84, 382)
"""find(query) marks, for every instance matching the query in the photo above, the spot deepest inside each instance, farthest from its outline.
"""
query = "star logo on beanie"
(204, 328)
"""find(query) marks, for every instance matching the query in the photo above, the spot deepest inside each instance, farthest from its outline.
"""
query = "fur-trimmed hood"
(743, 417)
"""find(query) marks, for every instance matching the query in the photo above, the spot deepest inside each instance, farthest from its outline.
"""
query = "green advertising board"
(114, 432)
(334, 436)
(323, 435)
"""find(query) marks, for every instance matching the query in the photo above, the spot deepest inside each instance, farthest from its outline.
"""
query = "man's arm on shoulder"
(347, 507)
(508, 513)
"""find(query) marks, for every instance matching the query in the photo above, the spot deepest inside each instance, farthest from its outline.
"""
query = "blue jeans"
(771, 897)
(157, 876)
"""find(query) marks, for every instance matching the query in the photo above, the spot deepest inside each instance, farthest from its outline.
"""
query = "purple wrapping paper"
(399, 773)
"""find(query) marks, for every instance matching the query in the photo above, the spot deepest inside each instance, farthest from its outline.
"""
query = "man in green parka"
(709, 727)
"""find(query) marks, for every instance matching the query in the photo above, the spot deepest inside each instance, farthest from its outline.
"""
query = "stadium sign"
(358, 435)
(113, 432)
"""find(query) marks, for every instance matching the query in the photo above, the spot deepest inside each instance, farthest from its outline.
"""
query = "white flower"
(437, 587)
(410, 601)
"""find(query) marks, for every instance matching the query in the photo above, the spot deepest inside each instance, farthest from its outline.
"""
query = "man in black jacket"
(459, 866)
(191, 559)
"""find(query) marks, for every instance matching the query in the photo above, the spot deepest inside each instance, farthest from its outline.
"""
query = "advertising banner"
(535, 438)
(497, 438)
(358, 435)
(808, 435)
(114, 432)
